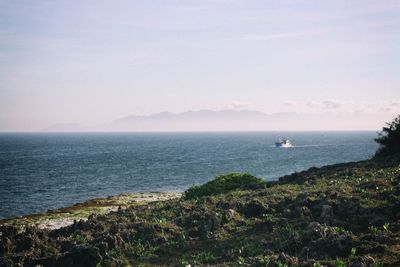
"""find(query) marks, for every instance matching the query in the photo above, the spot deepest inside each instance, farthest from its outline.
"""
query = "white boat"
(283, 143)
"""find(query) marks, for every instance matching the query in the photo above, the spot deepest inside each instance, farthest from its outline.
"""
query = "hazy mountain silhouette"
(201, 120)
(232, 120)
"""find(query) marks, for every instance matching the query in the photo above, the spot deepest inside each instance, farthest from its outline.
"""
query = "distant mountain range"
(201, 120)
(232, 120)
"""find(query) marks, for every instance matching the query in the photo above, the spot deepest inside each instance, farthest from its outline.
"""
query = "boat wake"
(320, 145)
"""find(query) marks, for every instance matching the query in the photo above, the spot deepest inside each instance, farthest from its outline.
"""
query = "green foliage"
(240, 260)
(339, 229)
(113, 253)
(378, 263)
(251, 248)
(340, 263)
(373, 229)
(352, 256)
(386, 227)
(262, 261)
(205, 257)
(179, 242)
(202, 257)
(140, 250)
(184, 261)
(286, 238)
(389, 138)
(223, 184)
(80, 238)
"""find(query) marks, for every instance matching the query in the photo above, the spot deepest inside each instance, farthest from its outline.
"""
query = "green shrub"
(389, 139)
(223, 184)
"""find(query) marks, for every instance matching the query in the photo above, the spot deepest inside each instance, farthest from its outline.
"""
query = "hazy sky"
(91, 62)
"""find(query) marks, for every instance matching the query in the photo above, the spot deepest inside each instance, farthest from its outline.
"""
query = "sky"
(92, 62)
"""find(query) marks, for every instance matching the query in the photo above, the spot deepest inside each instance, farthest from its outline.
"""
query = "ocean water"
(39, 171)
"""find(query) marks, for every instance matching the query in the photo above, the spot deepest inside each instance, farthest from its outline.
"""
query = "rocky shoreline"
(55, 219)
(339, 215)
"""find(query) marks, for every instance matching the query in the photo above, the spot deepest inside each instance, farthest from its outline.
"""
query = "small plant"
(386, 227)
(340, 263)
(262, 261)
(373, 229)
(112, 252)
(179, 242)
(205, 257)
(241, 260)
(141, 250)
(251, 248)
(352, 256)
(80, 238)
(378, 263)
(184, 261)
(339, 229)
(317, 264)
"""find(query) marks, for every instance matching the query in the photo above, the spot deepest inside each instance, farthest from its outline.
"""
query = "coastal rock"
(146, 231)
(325, 241)
(254, 208)
(231, 214)
(214, 222)
(286, 259)
(315, 231)
(66, 245)
(114, 241)
(25, 243)
(226, 205)
(396, 209)
(81, 257)
(6, 262)
(103, 248)
(128, 236)
(363, 261)
(44, 262)
(5, 245)
(8, 230)
(115, 228)
(110, 262)
(326, 214)
(306, 212)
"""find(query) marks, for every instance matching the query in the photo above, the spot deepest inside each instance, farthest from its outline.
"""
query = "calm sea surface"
(47, 171)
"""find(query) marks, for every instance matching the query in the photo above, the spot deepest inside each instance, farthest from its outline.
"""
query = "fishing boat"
(283, 143)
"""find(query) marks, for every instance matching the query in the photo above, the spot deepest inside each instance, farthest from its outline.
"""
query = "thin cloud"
(275, 36)
(238, 105)
(314, 104)
(389, 106)
(395, 103)
(331, 104)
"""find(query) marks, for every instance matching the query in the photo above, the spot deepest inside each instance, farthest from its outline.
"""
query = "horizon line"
(183, 131)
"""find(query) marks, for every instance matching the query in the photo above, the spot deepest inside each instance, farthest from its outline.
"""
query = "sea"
(46, 171)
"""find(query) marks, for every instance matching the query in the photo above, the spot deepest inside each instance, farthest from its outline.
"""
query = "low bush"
(223, 184)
